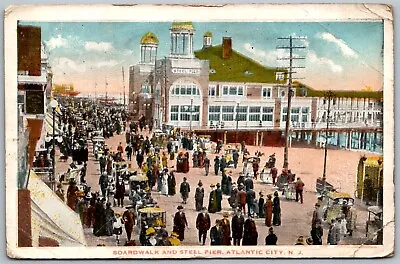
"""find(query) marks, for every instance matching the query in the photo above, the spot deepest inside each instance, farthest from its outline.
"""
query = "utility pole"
(165, 91)
(95, 92)
(329, 95)
(106, 91)
(123, 85)
(289, 71)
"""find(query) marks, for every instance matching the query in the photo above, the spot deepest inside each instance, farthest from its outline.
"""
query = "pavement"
(306, 163)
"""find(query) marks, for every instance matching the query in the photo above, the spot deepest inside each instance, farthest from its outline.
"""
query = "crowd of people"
(101, 210)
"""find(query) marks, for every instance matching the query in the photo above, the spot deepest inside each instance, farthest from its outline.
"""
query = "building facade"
(217, 87)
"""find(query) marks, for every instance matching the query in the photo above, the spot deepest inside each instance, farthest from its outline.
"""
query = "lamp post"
(237, 121)
(328, 96)
(53, 105)
(191, 112)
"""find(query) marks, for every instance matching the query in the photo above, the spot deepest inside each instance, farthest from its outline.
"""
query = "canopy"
(51, 217)
(337, 195)
(153, 210)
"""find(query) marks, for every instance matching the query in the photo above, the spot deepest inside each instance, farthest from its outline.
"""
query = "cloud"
(110, 63)
(344, 48)
(98, 46)
(64, 64)
(316, 61)
(56, 42)
(270, 58)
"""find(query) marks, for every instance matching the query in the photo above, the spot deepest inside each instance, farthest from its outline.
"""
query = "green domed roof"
(208, 34)
(182, 26)
(149, 38)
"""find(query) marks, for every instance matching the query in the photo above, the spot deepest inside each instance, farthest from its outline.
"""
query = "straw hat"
(150, 231)
(212, 185)
(175, 234)
(118, 213)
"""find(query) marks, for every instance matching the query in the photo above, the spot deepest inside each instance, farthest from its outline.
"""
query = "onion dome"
(149, 38)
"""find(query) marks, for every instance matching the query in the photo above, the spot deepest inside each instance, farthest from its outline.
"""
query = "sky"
(338, 55)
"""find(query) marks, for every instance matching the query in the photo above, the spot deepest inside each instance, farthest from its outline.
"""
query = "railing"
(46, 175)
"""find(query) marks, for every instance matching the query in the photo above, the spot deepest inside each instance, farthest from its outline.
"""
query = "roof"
(236, 68)
(149, 38)
(182, 26)
(151, 210)
(303, 90)
(208, 34)
(337, 195)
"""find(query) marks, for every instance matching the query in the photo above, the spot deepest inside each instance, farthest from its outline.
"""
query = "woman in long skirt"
(268, 211)
(276, 210)
(164, 185)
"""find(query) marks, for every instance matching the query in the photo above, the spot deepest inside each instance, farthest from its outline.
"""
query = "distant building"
(219, 87)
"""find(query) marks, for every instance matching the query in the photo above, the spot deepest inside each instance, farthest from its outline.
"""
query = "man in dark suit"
(180, 223)
(203, 224)
(237, 227)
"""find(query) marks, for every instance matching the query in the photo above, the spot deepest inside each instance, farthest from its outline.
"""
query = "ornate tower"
(182, 39)
(148, 48)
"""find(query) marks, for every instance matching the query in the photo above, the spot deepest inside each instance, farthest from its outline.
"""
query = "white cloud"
(98, 46)
(344, 48)
(315, 61)
(110, 63)
(64, 64)
(56, 42)
(270, 58)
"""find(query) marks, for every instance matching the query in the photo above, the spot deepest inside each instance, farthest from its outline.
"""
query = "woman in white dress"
(164, 186)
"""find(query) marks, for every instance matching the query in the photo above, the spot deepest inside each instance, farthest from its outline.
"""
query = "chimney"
(226, 47)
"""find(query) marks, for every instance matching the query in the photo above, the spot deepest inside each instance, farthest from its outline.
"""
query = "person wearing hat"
(150, 237)
(184, 190)
(215, 234)
(225, 230)
(271, 239)
(317, 233)
(222, 164)
(206, 164)
(218, 192)
(261, 203)
(299, 189)
(212, 201)
(180, 223)
(60, 192)
(174, 240)
(216, 165)
(250, 234)
(268, 211)
(250, 200)
(276, 210)
(316, 215)
(233, 199)
(242, 198)
(171, 183)
(110, 216)
(237, 227)
(71, 194)
(300, 241)
(199, 196)
(103, 182)
(128, 218)
(309, 241)
(203, 224)
(235, 157)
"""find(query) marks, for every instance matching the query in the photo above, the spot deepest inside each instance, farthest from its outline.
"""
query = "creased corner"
(384, 11)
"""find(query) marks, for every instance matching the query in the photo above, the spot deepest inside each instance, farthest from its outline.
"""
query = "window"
(233, 90)
(176, 90)
(145, 88)
(254, 109)
(228, 109)
(266, 92)
(211, 91)
(254, 117)
(225, 90)
(227, 117)
(240, 90)
(214, 117)
(175, 108)
(241, 117)
(282, 92)
(214, 109)
(268, 113)
(174, 116)
(185, 89)
(241, 109)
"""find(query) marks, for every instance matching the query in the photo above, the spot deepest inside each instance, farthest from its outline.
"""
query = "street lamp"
(191, 112)
(237, 121)
(54, 105)
(328, 96)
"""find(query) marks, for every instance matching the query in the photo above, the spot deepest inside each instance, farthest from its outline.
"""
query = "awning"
(51, 217)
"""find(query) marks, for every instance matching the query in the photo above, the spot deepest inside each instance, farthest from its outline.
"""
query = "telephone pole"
(123, 85)
(106, 91)
(329, 95)
(289, 72)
